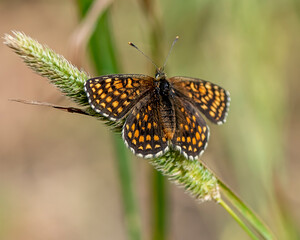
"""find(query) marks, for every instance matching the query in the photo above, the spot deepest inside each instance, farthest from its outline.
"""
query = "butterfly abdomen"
(166, 108)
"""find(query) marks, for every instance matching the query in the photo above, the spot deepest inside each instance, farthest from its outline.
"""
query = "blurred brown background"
(58, 179)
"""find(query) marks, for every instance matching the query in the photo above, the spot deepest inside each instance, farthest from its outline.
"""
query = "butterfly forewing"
(142, 131)
(114, 95)
(192, 133)
(212, 100)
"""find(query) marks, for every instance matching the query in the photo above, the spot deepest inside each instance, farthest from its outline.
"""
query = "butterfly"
(159, 113)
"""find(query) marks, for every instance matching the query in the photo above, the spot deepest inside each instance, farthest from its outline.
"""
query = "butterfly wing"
(114, 95)
(192, 133)
(212, 100)
(143, 131)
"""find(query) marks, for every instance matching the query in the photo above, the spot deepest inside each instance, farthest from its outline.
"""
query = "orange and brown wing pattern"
(212, 100)
(143, 131)
(114, 95)
(192, 133)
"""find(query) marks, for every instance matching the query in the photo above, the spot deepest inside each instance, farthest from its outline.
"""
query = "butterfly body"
(160, 113)
(164, 93)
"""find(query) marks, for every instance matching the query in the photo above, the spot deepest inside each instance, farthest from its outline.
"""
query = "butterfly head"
(160, 74)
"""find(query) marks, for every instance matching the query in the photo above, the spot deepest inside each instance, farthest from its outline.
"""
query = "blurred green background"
(58, 178)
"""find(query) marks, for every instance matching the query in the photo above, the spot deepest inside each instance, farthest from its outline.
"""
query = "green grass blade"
(236, 218)
(104, 58)
(159, 205)
(246, 212)
(124, 165)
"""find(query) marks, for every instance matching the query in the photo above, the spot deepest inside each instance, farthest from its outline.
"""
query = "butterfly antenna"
(133, 45)
(175, 40)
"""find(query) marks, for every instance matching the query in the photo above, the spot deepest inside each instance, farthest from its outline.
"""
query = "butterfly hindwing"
(212, 100)
(114, 95)
(143, 131)
(192, 133)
